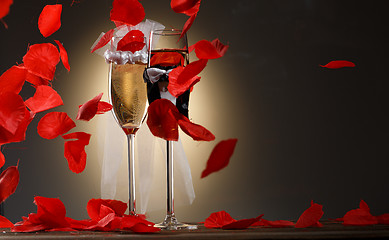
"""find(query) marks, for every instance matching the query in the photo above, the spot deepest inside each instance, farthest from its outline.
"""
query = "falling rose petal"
(218, 219)
(338, 64)
(185, 6)
(205, 49)
(220, 156)
(161, 119)
(242, 223)
(182, 79)
(51, 212)
(4, 7)
(45, 98)
(9, 180)
(13, 79)
(2, 159)
(104, 40)
(82, 136)
(167, 59)
(20, 133)
(130, 12)
(41, 60)
(188, 24)
(383, 219)
(103, 107)
(89, 109)
(36, 80)
(75, 152)
(12, 111)
(94, 207)
(50, 19)
(5, 223)
(195, 131)
(133, 41)
(360, 216)
(310, 217)
(63, 54)
(54, 124)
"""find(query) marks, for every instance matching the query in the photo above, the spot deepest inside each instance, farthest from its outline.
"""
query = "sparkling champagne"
(128, 94)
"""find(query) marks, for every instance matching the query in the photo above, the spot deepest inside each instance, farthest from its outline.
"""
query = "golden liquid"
(128, 94)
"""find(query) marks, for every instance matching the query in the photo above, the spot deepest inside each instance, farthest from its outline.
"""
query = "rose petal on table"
(130, 12)
(311, 216)
(383, 219)
(12, 112)
(54, 124)
(103, 107)
(20, 133)
(13, 79)
(242, 223)
(205, 49)
(275, 224)
(338, 64)
(4, 7)
(360, 216)
(104, 40)
(50, 19)
(144, 228)
(220, 156)
(218, 219)
(94, 207)
(161, 119)
(41, 60)
(5, 223)
(133, 41)
(51, 212)
(63, 54)
(9, 180)
(45, 98)
(89, 109)
(167, 59)
(195, 131)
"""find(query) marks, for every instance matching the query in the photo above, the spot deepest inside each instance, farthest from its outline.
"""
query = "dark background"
(304, 132)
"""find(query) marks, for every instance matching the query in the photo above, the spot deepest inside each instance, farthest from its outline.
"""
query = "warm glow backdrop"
(304, 132)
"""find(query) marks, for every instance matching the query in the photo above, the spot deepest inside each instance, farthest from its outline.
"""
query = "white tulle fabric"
(150, 152)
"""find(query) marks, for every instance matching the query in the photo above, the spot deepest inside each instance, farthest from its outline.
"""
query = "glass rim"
(167, 32)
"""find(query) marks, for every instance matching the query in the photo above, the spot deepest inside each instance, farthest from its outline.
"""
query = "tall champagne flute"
(128, 96)
(166, 52)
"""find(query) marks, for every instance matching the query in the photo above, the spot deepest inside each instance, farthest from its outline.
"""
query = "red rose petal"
(104, 40)
(338, 64)
(89, 109)
(13, 79)
(36, 80)
(161, 119)
(167, 59)
(5, 223)
(94, 207)
(2, 159)
(75, 152)
(45, 98)
(4, 7)
(28, 227)
(20, 133)
(54, 124)
(12, 112)
(275, 224)
(220, 156)
(133, 41)
(185, 6)
(242, 223)
(218, 219)
(103, 107)
(51, 212)
(182, 79)
(188, 24)
(63, 54)
(383, 219)
(50, 19)
(144, 228)
(130, 12)
(9, 180)
(41, 60)
(310, 217)
(209, 50)
(197, 132)
(360, 216)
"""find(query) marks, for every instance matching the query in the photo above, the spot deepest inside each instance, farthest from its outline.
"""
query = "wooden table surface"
(329, 230)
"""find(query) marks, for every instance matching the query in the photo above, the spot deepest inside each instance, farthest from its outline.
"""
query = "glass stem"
(170, 179)
(131, 174)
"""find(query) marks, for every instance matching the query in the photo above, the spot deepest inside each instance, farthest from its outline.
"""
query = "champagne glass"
(167, 50)
(128, 96)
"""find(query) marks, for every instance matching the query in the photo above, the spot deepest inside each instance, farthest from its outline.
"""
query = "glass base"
(171, 223)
